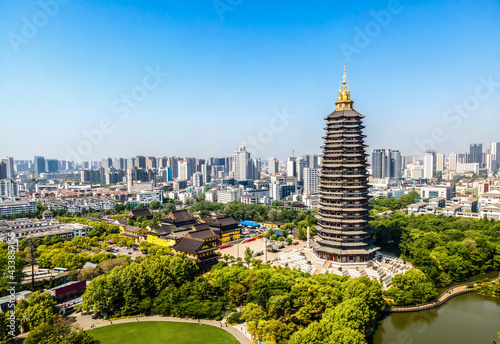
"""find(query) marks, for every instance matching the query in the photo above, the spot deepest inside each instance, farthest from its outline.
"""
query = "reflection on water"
(465, 319)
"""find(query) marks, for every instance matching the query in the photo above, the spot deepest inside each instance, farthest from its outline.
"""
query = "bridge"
(448, 294)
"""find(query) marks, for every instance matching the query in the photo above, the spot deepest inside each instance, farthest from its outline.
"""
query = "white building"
(241, 158)
(492, 211)
(430, 165)
(468, 167)
(8, 188)
(273, 166)
(147, 197)
(487, 198)
(311, 181)
(15, 207)
(229, 195)
(445, 191)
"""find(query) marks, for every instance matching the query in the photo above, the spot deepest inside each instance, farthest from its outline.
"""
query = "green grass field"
(158, 332)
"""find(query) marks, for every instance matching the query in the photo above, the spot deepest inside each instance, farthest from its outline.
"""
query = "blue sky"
(232, 65)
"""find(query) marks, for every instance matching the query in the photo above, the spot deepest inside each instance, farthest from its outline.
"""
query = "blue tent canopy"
(249, 223)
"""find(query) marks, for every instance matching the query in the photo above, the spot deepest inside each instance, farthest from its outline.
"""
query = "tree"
(36, 310)
(57, 331)
(411, 288)
(155, 205)
(248, 256)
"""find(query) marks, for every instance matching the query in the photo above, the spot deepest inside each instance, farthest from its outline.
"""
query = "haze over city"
(225, 72)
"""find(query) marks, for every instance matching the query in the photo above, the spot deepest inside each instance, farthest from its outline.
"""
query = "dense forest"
(446, 249)
(278, 304)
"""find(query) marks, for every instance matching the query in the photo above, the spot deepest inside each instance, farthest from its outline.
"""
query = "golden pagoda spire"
(344, 101)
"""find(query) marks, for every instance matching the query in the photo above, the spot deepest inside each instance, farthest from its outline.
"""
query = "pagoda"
(343, 232)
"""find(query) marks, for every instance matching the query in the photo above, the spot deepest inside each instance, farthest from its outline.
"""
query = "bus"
(59, 270)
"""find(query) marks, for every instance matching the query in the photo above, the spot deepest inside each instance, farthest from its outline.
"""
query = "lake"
(465, 319)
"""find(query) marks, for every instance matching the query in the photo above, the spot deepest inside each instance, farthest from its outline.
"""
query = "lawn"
(156, 332)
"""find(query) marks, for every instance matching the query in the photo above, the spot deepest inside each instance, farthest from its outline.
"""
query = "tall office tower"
(161, 162)
(311, 181)
(495, 150)
(300, 165)
(440, 162)
(9, 166)
(452, 161)
(311, 160)
(491, 163)
(343, 229)
(51, 165)
(129, 163)
(206, 172)
(254, 168)
(199, 163)
(192, 166)
(381, 163)
(291, 167)
(241, 157)
(476, 153)
(39, 162)
(173, 163)
(378, 163)
(140, 161)
(229, 163)
(396, 164)
(119, 163)
(107, 163)
(3, 170)
(273, 165)
(185, 171)
(150, 163)
(197, 179)
(430, 164)
(462, 158)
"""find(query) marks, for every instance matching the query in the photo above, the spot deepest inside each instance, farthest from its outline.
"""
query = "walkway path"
(86, 322)
(448, 294)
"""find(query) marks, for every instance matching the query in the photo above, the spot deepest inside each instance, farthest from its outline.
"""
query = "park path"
(86, 323)
(448, 294)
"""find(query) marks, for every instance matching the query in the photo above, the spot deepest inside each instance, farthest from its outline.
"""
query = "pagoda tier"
(343, 233)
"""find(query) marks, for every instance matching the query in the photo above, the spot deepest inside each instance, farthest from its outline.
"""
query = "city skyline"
(288, 71)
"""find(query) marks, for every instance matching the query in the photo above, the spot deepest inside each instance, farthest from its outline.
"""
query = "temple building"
(343, 233)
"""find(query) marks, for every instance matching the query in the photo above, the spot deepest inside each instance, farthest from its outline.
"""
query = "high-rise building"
(386, 163)
(150, 163)
(140, 161)
(3, 170)
(300, 164)
(9, 166)
(185, 170)
(130, 163)
(495, 150)
(430, 164)
(440, 162)
(396, 164)
(311, 160)
(273, 166)
(291, 167)
(254, 168)
(107, 163)
(119, 163)
(343, 229)
(241, 158)
(476, 153)
(39, 162)
(311, 181)
(206, 172)
(452, 161)
(51, 165)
